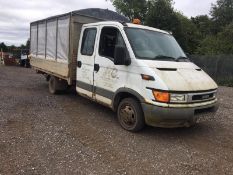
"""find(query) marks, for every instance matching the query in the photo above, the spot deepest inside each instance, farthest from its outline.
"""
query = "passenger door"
(108, 78)
(85, 64)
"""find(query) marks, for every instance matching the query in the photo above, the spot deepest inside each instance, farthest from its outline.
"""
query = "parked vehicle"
(138, 71)
(24, 60)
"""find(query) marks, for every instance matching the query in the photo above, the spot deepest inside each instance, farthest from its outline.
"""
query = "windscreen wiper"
(182, 58)
(164, 57)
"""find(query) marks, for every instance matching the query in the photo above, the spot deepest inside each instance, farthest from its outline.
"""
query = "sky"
(16, 15)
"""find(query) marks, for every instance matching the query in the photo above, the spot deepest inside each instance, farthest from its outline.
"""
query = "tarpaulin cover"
(33, 47)
(51, 40)
(63, 40)
(54, 45)
(41, 40)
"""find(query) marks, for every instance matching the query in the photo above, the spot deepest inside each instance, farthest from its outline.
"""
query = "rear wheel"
(130, 115)
(56, 86)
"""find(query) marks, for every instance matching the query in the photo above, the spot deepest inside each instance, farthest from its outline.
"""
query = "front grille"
(202, 97)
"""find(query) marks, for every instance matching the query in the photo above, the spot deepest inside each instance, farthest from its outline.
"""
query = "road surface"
(42, 133)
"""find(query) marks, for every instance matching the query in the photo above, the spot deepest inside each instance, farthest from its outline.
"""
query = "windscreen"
(152, 45)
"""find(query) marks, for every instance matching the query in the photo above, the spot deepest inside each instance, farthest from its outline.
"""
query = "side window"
(110, 38)
(88, 41)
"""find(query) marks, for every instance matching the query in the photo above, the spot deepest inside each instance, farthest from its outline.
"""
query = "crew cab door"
(108, 78)
(85, 62)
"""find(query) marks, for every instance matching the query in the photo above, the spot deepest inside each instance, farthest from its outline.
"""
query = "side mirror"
(188, 54)
(121, 57)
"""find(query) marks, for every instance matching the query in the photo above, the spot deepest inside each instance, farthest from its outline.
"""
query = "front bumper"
(168, 117)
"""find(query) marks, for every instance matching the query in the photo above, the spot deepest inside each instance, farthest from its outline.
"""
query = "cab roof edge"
(123, 23)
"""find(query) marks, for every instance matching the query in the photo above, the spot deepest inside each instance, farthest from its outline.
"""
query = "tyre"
(53, 85)
(56, 86)
(130, 115)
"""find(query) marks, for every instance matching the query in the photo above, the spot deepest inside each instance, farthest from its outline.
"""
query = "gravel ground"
(67, 134)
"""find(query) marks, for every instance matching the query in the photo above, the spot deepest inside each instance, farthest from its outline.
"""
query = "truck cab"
(143, 74)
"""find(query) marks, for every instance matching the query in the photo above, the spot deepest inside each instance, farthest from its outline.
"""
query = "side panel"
(54, 44)
(50, 46)
(84, 19)
(86, 56)
(74, 43)
(54, 68)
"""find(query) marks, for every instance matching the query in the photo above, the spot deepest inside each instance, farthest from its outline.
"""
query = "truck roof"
(101, 14)
(122, 24)
(107, 16)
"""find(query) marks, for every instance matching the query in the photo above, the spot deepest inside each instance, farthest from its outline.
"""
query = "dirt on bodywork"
(42, 133)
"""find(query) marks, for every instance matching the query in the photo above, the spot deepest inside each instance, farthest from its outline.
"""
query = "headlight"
(177, 98)
(166, 97)
(161, 96)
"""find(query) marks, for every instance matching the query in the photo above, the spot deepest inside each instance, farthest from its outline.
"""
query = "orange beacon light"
(136, 21)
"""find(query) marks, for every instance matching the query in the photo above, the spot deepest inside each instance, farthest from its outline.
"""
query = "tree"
(226, 38)
(131, 8)
(162, 15)
(203, 24)
(201, 34)
(28, 44)
(188, 34)
(222, 43)
(222, 14)
(219, 30)
(3, 47)
(12, 48)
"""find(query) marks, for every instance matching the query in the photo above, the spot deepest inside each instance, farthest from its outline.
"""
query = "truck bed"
(55, 68)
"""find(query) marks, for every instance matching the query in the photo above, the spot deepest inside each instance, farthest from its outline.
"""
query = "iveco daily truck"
(138, 71)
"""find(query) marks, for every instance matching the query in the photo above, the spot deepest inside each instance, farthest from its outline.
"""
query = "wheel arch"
(125, 93)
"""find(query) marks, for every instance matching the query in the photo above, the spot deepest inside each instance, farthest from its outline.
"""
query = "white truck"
(138, 71)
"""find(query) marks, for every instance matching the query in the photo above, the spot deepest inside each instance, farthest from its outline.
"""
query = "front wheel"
(130, 115)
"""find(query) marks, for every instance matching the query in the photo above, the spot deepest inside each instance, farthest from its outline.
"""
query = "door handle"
(79, 64)
(96, 67)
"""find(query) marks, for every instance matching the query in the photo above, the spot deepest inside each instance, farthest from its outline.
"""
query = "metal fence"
(219, 67)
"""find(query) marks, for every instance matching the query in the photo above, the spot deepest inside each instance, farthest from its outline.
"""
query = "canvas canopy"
(50, 38)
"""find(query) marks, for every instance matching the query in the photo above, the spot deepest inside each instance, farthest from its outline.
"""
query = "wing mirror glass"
(121, 56)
